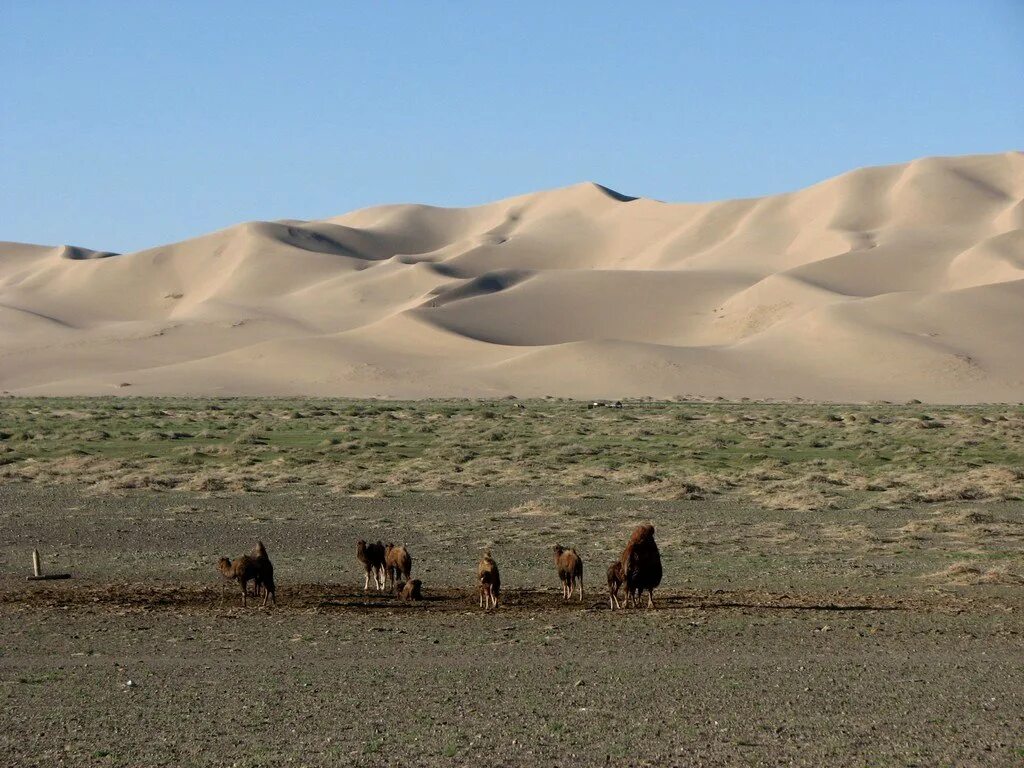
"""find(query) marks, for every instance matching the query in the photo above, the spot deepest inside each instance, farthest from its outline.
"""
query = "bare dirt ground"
(781, 638)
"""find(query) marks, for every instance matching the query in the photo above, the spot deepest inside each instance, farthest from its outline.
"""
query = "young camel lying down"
(372, 558)
(488, 581)
(615, 579)
(569, 565)
(410, 590)
(255, 567)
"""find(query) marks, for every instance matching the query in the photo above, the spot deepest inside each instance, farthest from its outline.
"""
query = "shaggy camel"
(372, 558)
(641, 565)
(255, 567)
(488, 581)
(397, 562)
(569, 565)
(266, 573)
(615, 579)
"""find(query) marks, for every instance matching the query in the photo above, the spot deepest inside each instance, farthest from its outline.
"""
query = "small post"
(37, 570)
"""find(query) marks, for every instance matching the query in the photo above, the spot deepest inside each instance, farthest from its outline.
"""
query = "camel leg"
(650, 598)
(581, 590)
(366, 581)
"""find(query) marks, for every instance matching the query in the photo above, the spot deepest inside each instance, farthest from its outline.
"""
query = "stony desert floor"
(781, 637)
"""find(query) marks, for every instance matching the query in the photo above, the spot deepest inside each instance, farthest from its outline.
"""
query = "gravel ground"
(838, 638)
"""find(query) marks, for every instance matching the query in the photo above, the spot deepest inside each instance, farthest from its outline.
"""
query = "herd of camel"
(638, 570)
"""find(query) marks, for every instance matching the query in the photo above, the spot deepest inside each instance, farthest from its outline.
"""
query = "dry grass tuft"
(535, 508)
(971, 574)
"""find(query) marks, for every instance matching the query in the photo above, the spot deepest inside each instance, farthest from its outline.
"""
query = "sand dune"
(896, 282)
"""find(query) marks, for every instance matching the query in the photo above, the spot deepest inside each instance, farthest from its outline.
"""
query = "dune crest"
(895, 282)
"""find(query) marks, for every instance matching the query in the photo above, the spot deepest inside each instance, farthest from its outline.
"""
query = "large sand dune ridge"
(894, 282)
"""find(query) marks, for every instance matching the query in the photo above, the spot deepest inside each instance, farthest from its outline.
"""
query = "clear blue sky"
(129, 124)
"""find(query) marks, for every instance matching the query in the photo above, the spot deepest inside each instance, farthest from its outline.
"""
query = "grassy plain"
(773, 456)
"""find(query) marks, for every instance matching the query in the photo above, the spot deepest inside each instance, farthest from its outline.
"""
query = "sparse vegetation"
(776, 456)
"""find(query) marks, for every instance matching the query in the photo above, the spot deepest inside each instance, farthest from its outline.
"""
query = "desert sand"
(895, 282)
